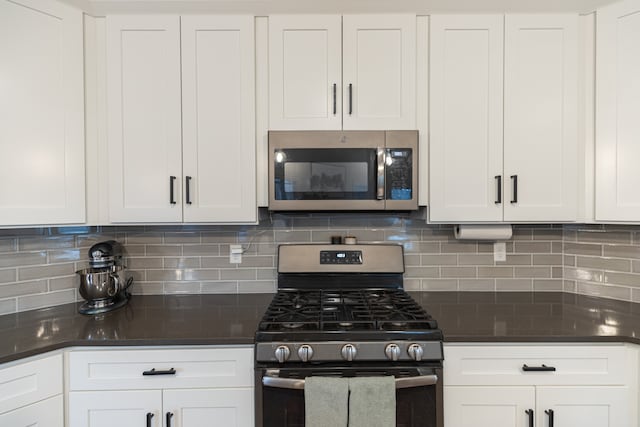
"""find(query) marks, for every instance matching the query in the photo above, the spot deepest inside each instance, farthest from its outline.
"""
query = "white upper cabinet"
(617, 107)
(330, 73)
(181, 118)
(540, 117)
(218, 113)
(529, 173)
(466, 56)
(41, 113)
(143, 116)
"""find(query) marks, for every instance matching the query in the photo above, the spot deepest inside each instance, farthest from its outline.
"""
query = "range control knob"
(348, 352)
(305, 352)
(282, 353)
(392, 351)
(415, 352)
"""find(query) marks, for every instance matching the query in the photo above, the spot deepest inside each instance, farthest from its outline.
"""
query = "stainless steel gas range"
(341, 311)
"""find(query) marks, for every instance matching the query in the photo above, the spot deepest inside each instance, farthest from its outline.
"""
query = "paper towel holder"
(490, 232)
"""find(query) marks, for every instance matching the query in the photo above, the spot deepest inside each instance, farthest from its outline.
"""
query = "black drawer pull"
(543, 368)
(514, 179)
(172, 199)
(149, 416)
(169, 416)
(187, 187)
(154, 372)
(550, 414)
(499, 189)
(529, 412)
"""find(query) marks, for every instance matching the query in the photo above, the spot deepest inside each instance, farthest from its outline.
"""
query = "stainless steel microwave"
(343, 170)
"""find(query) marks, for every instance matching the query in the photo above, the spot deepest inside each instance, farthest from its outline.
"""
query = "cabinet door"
(541, 117)
(115, 408)
(144, 124)
(379, 72)
(617, 107)
(218, 113)
(584, 406)
(41, 113)
(47, 413)
(465, 161)
(488, 406)
(305, 71)
(196, 408)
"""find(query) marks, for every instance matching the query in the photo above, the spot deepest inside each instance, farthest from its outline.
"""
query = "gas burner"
(292, 325)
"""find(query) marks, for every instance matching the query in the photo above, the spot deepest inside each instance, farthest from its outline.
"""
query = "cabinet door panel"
(540, 117)
(617, 106)
(219, 118)
(304, 65)
(196, 408)
(114, 408)
(41, 113)
(379, 61)
(144, 123)
(585, 406)
(466, 59)
(487, 406)
(46, 413)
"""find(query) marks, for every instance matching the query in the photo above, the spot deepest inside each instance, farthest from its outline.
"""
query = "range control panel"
(340, 257)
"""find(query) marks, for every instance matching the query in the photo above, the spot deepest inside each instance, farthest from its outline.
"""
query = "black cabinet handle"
(149, 416)
(187, 187)
(543, 368)
(529, 412)
(499, 189)
(350, 98)
(550, 414)
(171, 196)
(514, 179)
(335, 99)
(169, 416)
(154, 372)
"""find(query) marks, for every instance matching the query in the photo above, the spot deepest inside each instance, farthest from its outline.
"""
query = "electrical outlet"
(499, 251)
(235, 254)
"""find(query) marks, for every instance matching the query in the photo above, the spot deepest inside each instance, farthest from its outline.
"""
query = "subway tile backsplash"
(37, 265)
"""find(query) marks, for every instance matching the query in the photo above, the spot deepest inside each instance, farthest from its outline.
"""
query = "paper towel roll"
(482, 232)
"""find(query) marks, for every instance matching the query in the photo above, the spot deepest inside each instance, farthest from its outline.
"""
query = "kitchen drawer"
(503, 365)
(29, 382)
(114, 369)
(47, 413)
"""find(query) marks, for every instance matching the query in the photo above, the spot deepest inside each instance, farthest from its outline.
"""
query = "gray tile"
(439, 259)
(495, 272)
(8, 275)
(557, 272)
(532, 247)
(220, 287)
(266, 274)
(47, 271)
(201, 250)
(148, 238)
(412, 284)
(174, 288)
(22, 259)
(8, 306)
(135, 250)
(554, 259)
(422, 247)
(569, 261)
(216, 262)
(257, 261)
(458, 272)
(570, 286)
(147, 288)
(59, 283)
(369, 236)
(621, 251)
(516, 259)
(163, 250)
(140, 263)
(239, 274)
(605, 291)
(514, 285)
(31, 302)
(570, 235)
(323, 236)
(602, 236)
(557, 247)
(40, 243)
(473, 259)
(541, 285)
(533, 272)
(583, 249)
(635, 295)
(636, 266)
(624, 279)
(23, 288)
(439, 285)
(311, 223)
(181, 262)
(185, 238)
(520, 233)
(292, 236)
(421, 272)
(458, 247)
(437, 234)
(400, 236)
(412, 260)
(583, 275)
(179, 275)
(88, 240)
(547, 234)
(8, 245)
(477, 285)
(65, 255)
(599, 263)
(257, 287)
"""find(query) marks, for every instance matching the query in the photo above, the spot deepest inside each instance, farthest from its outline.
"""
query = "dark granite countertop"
(232, 319)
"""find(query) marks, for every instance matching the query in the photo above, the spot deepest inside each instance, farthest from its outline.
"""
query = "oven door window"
(325, 174)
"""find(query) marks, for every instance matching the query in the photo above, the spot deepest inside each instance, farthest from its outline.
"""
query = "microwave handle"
(380, 174)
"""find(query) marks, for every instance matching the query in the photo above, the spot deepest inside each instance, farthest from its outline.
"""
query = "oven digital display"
(340, 257)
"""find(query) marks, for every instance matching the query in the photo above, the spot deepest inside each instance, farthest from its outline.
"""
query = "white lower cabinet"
(177, 387)
(515, 386)
(47, 413)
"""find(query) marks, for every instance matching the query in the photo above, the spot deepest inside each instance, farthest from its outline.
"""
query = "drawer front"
(47, 413)
(112, 369)
(30, 382)
(504, 365)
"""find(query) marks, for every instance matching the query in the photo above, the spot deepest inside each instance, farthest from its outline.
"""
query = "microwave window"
(325, 174)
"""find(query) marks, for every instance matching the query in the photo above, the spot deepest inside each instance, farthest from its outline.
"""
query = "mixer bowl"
(100, 283)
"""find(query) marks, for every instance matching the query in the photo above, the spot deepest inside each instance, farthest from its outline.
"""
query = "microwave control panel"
(340, 257)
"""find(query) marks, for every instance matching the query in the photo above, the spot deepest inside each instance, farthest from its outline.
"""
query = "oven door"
(280, 394)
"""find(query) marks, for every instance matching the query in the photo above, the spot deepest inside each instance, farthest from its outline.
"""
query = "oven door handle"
(271, 379)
